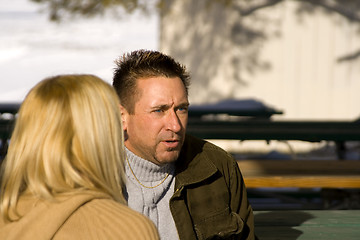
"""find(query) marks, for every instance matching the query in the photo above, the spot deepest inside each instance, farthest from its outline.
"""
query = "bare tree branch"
(250, 7)
(344, 8)
(56, 8)
(349, 57)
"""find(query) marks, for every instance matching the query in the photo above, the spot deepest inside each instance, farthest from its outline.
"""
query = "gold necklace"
(140, 182)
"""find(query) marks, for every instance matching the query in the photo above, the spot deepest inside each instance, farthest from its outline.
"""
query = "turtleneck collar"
(148, 171)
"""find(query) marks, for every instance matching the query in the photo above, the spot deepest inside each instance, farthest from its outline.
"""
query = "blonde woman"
(64, 172)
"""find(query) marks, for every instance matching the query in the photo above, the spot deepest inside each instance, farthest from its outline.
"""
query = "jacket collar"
(193, 165)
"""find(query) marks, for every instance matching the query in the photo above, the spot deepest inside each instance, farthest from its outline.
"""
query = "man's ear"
(124, 117)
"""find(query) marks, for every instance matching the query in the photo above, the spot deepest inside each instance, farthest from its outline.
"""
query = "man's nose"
(173, 122)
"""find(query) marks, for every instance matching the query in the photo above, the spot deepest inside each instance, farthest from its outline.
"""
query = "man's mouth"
(171, 143)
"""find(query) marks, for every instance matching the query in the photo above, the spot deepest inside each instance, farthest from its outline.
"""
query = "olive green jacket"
(210, 200)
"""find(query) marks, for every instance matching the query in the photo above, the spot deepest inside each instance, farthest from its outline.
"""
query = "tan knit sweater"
(86, 216)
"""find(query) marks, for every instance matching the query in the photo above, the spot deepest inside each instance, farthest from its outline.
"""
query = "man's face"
(156, 130)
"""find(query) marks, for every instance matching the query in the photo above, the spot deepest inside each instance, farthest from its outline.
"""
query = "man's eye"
(182, 109)
(158, 110)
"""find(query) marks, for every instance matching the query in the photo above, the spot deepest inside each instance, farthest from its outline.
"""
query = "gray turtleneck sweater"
(152, 202)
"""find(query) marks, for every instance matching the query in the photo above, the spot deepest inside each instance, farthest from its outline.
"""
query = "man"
(190, 188)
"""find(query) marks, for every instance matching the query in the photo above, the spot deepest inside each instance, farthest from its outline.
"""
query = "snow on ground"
(33, 48)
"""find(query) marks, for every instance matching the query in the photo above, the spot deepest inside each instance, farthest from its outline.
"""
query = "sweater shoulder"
(107, 219)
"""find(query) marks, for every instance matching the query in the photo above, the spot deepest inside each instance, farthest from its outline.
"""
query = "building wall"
(293, 56)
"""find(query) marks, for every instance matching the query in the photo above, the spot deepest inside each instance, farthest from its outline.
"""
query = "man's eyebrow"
(185, 104)
(161, 106)
(167, 106)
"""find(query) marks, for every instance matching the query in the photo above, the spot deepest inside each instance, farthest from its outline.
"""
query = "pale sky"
(33, 48)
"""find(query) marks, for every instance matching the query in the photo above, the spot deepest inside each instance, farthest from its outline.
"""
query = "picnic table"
(269, 173)
(251, 120)
(233, 107)
(7, 117)
(307, 224)
(11, 108)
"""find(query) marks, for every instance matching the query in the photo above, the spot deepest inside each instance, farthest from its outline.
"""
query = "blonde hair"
(68, 138)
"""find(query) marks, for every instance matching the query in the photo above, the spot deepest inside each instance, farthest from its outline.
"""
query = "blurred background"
(299, 57)
(34, 46)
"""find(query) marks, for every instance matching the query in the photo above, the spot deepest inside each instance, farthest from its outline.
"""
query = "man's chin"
(168, 157)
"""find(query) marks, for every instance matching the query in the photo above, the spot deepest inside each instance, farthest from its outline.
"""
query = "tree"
(89, 8)
(57, 9)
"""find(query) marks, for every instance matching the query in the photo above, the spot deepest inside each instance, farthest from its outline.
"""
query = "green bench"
(307, 224)
(258, 129)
